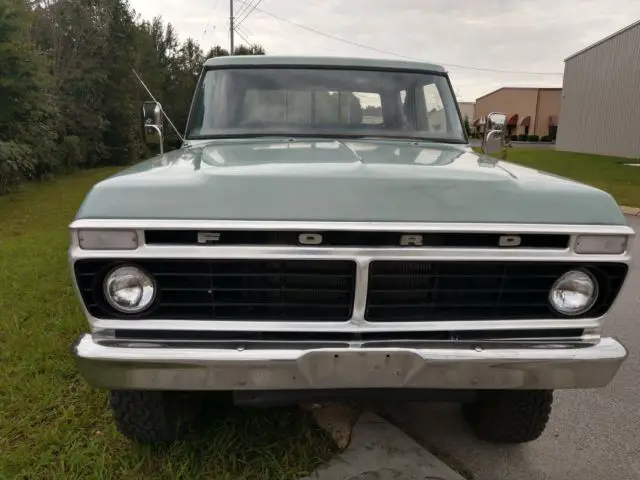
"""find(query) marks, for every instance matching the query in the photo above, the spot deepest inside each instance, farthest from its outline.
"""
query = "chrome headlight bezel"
(589, 283)
(147, 284)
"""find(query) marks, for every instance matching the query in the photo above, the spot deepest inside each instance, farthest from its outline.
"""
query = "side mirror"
(152, 124)
(493, 138)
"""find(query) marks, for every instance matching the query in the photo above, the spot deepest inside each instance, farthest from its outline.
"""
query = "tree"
(467, 126)
(250, 50)
(217, 51)
(120, 136)
(27, 117)
(74, 35)
(187, 65)
(69, 95)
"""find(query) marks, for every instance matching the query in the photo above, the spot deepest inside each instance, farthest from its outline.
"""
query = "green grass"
(53, 425)
(607, 173)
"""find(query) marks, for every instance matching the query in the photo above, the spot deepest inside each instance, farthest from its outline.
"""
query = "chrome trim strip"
(367, 254)
(453, 366)
(354, 325)
(349, 226)
(360, 293)
(311, 344)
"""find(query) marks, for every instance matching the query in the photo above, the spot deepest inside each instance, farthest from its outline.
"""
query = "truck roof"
(313, 61)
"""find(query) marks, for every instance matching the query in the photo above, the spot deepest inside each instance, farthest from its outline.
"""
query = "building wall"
(510, 101)
(537, 103)
(548, 106)
(468, 109)
(601, 98)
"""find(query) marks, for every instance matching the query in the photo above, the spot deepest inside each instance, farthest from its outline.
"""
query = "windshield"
(324, 102)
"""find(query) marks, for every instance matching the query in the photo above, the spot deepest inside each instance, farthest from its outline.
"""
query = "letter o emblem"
(310, 239)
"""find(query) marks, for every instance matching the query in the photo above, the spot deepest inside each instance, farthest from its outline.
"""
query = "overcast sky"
(515, 35)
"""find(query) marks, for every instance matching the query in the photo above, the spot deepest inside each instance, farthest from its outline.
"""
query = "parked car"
(290, 251)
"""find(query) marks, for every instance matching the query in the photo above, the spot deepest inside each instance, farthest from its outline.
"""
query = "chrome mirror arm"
(157, 129)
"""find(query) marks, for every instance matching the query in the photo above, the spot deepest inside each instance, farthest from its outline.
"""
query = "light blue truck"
(326, 231)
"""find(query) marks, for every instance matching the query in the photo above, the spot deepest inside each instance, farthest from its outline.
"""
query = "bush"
(16, 163)
(522, 138)
(533, 138)
(71, 153)
(545, 138)
(513, 138)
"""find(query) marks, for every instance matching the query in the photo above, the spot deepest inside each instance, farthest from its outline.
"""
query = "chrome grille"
(324, 290)
(302, 290)
(440, 291)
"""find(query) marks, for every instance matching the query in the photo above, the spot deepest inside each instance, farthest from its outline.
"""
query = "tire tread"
(152, 417)
(517, 416)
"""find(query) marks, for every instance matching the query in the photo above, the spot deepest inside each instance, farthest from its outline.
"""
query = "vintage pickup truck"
(326, 231)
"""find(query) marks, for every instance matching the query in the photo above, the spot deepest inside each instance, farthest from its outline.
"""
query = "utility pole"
(231, 29)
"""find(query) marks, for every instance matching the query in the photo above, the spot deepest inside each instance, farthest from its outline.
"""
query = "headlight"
(129, 289)
(574, 293)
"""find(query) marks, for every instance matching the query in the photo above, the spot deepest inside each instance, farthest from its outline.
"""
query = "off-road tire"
(509, 416)
(154, 417)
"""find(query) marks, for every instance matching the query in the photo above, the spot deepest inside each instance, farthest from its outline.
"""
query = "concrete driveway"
(593, 434)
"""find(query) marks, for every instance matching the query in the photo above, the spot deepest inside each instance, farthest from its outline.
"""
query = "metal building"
(467, 109)
(600, 107)
(529, 110)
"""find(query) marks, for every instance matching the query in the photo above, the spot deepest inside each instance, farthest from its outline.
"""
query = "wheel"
(154, 417)
(509, 416)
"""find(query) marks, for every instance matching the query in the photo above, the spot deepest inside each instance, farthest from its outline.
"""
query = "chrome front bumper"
(440, 366)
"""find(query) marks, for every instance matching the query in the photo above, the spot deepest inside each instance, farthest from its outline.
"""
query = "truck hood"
(343, 180)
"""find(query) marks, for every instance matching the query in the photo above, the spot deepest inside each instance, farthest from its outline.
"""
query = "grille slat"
(301, 290)
(253, 290)
(440, 291)
(499, 276)
(251, 304)
(232, 275)
(451, 305)
(436, 289)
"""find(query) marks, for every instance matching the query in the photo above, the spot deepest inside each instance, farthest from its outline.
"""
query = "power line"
(244, 38)
(235, 20)
(244, 17)
(246, 30)
(235, 24)
(206, 27)
(242, 29)
(245, 6)
(231, 29)
(388, 52)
